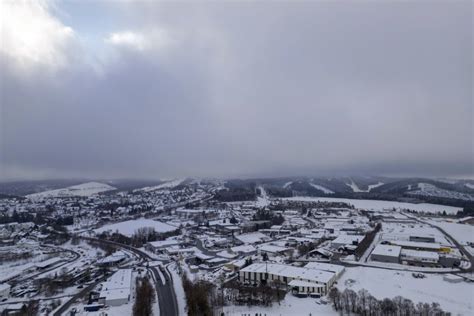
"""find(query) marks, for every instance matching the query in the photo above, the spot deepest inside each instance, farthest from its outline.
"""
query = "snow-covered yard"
(291, 305)
(457, 298)
(128, 228)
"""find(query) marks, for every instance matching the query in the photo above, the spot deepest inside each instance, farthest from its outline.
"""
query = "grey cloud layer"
(254, 89)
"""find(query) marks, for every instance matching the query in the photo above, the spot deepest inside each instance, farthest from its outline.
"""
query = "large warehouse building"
(116, 290)
(304, 280)
(386, 253)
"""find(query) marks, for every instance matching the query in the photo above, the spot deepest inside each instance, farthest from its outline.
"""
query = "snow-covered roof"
(116, 294)
(202, 256)
(387, 250)
(273, 248)
(325, 267)
(347, 239)
(238, 263)
(13, 306)
(252, 238)
(420, 254)
(226, 254)
(244, 248)
(304, 283)
(217, 260)
(416, 244)
(118, 285)
(291, 272)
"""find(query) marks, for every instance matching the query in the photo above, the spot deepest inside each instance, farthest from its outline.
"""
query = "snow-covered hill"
(469, 185)
(84, 189)
(166, 185)
(427, 189)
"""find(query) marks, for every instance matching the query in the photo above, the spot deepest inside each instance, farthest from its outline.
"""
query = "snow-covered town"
(86, 250)
(236, 158)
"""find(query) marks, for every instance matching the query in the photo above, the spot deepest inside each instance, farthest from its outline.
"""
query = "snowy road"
(165, 291)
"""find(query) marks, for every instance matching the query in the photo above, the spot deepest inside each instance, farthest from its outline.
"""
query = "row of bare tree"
(363, 303)
(144, 297)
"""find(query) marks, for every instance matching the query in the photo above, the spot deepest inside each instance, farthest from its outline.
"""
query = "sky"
(150, 89)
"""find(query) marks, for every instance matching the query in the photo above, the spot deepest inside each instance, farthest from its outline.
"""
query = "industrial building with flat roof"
(116, 290)
(337, 269)
(386, 253)
(415, 245)
(418, 256)
(310, 280)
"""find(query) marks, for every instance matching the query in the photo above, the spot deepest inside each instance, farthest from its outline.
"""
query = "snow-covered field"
(291, 305)
(84, 189)
(457, 298)
(128, 228)
(463, 233)
(321, 188)
(384, 205)
(427, 189)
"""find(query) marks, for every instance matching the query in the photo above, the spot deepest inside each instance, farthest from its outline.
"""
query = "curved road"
(77, 296)
(165, 291)
(54, 267)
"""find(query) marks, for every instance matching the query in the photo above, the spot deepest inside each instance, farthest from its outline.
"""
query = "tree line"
(363, 303)
(144, 297)
(201, 296)
(367, 241)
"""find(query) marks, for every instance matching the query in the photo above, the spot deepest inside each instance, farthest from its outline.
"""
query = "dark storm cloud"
(251, 89)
